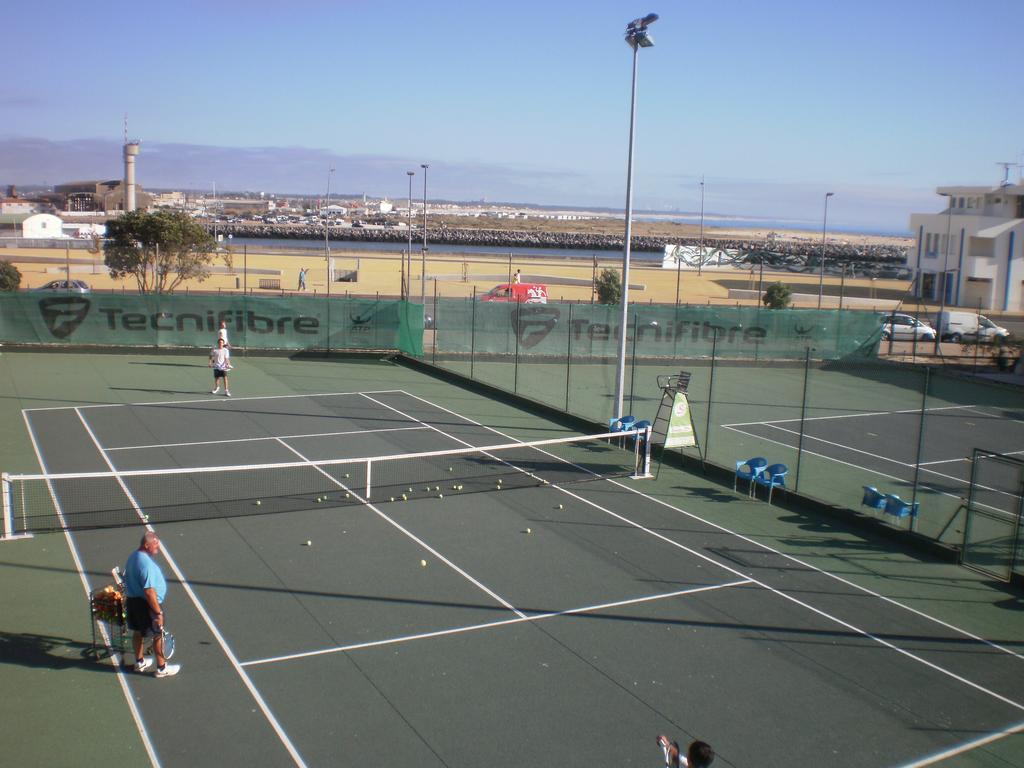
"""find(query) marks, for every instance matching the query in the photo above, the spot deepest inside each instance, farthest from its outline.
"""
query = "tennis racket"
(168, 644)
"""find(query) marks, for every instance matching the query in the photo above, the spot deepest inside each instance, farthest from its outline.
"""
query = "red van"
(525, 293)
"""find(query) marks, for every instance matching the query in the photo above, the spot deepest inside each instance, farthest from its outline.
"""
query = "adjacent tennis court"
(502, 605)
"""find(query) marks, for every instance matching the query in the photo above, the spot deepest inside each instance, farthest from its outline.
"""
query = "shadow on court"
(46, 652)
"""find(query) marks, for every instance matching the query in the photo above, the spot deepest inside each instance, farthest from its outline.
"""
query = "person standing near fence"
(222, 333)
(220, 361)
(517, 278)
(302, 278)
(145, 589)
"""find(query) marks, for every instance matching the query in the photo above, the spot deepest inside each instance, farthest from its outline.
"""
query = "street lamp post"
(407, 259)
(821, 271)
(945, 273)
(636, 38)
(327, 230)
(700, 258)
(423, 253)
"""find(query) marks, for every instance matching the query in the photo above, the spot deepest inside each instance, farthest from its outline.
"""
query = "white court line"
(255, 439)
(206, 400)
(232, 658)
(122, 680)
(761, 545)
(848, 415)
(408, 533)
(491, 624)
(967, 459)
(965, 747)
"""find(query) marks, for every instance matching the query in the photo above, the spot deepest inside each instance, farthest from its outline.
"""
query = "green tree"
(777, 296)
(10, 277)
(609, 287)
(160, 250)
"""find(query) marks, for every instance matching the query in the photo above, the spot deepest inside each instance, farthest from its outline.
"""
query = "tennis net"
(51, 502)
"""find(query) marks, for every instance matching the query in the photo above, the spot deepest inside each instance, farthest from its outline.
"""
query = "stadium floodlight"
(821, 270)
(636, 38)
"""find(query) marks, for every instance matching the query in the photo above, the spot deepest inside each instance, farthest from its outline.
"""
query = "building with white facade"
(43, 226)
(977, 243)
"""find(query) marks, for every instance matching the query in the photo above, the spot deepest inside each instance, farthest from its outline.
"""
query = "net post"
(7, 518)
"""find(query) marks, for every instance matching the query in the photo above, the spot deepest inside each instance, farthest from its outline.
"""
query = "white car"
(902, 327)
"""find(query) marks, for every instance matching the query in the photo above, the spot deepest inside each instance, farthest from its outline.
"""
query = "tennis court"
(517, 623)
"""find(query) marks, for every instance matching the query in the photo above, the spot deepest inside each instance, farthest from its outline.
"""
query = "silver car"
(65, 286)
(902, 327)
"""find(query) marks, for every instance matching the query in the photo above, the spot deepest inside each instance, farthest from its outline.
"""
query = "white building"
(983, 255)
(43, 226)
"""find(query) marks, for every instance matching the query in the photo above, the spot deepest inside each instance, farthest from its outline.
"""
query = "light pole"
(821, 271)
(407, 272)
(423, 253)
(945, 273)
(327, 229)
(636, 38)
(700, 258)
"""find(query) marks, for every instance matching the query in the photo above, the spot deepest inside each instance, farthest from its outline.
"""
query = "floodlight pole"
(700, 257)
(327, 230)
(636, 38)
(821, 271)
(945, 273)
(423, 253)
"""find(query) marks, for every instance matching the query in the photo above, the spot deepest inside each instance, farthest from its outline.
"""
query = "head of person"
(700, 755)
(220, 342)
(150, 543)
(223, 323)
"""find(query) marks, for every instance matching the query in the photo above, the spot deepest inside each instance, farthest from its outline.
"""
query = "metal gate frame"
(1013, 525)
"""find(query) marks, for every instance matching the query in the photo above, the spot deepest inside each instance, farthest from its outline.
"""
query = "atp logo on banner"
(63, 314)
(532, 323)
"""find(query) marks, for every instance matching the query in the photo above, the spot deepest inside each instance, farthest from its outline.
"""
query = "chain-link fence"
(812, 389)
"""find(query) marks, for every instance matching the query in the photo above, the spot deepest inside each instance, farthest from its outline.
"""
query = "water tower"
(131, 150)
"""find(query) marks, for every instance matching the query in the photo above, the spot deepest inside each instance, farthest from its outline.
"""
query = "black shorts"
(140, 617)
(219, 374)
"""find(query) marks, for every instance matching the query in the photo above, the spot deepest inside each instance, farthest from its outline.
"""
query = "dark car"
(65, 286)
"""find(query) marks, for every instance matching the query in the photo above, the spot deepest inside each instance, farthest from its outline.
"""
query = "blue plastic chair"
(873, 498)
(773, 476)
(897, 507)
(748, 470)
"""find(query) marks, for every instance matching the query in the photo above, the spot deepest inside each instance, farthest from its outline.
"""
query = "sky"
(773, 104)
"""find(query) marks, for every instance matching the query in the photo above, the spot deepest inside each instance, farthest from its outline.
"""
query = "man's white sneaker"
(142, 664)
(169, 670)
(227, 393)
(215, 391)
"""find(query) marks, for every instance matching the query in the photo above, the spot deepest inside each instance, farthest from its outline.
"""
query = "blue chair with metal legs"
(873, 498)
(772, 477)
(899, 508)
(748, 470)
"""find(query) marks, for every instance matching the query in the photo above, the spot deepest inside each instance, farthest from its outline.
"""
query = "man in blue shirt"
(145, 589)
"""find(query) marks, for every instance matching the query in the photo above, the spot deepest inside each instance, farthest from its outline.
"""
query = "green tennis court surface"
(563, 623)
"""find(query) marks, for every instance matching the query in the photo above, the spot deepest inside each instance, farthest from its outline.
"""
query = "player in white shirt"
(223, 333)
(220, 361)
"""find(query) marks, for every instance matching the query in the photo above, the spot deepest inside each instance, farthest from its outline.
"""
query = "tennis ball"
(347, 475)
(440, 495)
(346, 495)
(561, 507)
(529, 530)
(309, 543)
(404, 497)
(450, 469)
(423, 563)
(392, 498)
(499, 481)
(258, 502)
(319, 499)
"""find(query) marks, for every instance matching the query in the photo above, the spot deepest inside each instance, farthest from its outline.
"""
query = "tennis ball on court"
(392, 498)
(499, 481)
(529, 530)
(423, 563)
(440, 495)
(347, 475)
(404, 497)
(309, 543)
(319, 499)
(450, 469)
(258, 502)
(561, 506)
(346, 495)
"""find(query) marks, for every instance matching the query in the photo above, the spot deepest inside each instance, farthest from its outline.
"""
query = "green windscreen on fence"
(561, 330)
(174, 320)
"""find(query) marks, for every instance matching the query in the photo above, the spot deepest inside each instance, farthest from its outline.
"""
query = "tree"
(777, 296)
(609, 287)
(10, 277)
(160, 250)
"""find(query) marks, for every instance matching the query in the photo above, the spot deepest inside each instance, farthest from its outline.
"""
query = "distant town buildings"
(974, 249)
(97, 196)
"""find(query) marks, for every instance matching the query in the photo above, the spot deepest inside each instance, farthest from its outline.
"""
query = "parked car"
(65, 286)
(958, 326)
(524, 293)
(899, 326)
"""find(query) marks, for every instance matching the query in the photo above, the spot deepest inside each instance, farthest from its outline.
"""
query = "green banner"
(680, 432)
(174, 320)
(587, 330)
